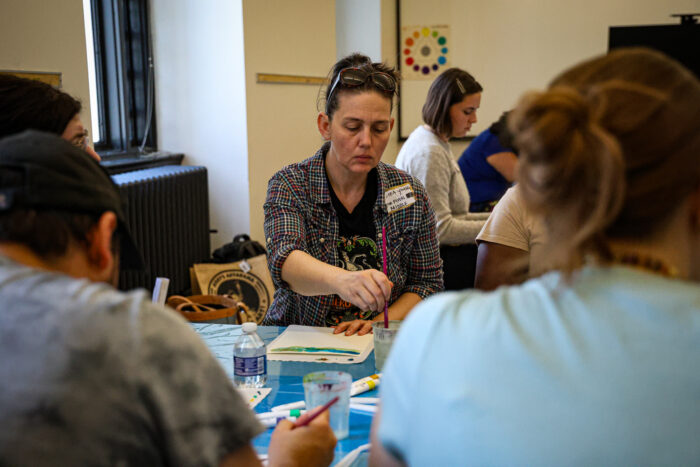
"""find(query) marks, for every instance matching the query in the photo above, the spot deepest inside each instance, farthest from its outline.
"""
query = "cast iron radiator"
(167, 211)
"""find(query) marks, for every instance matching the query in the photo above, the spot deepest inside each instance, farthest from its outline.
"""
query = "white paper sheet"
(319, 344)
(253, 396)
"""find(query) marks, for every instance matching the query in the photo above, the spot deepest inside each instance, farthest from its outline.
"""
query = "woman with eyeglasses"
(595, 362)
(29, 104)
(449, 112)
(325, 217)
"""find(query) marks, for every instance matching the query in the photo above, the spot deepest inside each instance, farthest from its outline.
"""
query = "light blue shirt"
(602, 371)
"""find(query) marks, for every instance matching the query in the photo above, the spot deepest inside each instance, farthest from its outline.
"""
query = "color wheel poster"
(425, 51)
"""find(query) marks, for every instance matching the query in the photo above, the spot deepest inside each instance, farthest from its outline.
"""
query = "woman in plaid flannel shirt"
(324, 216)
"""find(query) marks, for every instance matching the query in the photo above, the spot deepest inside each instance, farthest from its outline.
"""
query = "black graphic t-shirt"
(357, 248)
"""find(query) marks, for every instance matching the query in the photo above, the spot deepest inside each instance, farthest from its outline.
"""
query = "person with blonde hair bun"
(594, 362)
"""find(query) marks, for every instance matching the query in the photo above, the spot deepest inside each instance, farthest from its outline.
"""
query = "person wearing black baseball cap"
(57, 190)
(92, 375)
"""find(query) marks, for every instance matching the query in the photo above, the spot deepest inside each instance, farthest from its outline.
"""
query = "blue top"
(483, 181)
(602, 371)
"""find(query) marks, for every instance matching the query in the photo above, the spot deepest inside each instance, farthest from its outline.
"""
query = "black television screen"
(681, 41)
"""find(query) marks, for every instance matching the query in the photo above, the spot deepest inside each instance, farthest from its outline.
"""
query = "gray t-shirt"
(93, 376)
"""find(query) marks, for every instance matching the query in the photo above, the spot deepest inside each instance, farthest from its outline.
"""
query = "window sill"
(117, 164)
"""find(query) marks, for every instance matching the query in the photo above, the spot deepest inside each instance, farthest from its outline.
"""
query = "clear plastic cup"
(322, 386)
(383, 340)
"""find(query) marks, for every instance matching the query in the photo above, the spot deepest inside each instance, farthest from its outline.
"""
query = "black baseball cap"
(42, 171)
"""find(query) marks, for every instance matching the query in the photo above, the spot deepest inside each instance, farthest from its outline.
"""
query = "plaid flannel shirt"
(299, 215)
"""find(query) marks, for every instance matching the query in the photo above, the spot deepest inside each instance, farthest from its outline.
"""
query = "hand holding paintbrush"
(309, 436)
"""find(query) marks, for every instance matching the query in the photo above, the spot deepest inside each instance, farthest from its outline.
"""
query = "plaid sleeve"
(285, 229)
(425, 269)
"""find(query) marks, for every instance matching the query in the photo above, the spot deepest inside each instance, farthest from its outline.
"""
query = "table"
(285, 380)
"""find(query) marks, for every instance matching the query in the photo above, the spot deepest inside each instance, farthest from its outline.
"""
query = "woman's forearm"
(367, 289)
(308, 276)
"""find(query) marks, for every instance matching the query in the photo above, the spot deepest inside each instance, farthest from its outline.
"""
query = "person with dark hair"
(29, 104)
(488, 165)
(449, 112)
(595, 362)
(91, 375)
(326, 217)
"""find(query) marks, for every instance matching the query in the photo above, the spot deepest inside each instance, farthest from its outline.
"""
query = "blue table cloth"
(285, 380)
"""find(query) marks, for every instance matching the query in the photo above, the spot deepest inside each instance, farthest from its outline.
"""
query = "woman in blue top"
(595, 363)
(488, 165)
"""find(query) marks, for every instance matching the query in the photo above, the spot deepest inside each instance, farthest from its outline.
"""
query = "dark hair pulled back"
(449, 88)
(363, 62)
(30, 104)
(500, 129)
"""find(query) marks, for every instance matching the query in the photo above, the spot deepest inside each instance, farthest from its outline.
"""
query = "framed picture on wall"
(424, 46)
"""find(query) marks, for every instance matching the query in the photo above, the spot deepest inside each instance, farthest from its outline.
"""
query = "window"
(122, 89)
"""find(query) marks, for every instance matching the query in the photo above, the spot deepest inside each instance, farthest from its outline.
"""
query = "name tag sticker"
(399, 197)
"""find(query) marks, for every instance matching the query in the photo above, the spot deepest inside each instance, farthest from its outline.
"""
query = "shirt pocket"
(320, 235)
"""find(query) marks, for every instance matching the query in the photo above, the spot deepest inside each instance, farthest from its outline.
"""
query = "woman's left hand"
(359, 326)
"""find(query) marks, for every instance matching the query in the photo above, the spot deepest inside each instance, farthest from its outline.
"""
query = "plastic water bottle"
(249, 359)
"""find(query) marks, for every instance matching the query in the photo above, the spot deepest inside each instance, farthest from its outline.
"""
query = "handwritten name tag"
(399, 197)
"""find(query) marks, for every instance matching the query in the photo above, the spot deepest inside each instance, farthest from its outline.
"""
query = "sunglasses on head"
(353, 77)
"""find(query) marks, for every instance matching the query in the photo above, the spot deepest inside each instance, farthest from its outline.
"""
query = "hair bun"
(544, 122)
(609, 152)
(571, 169)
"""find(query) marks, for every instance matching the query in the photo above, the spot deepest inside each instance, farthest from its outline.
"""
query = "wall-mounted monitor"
(680, 41)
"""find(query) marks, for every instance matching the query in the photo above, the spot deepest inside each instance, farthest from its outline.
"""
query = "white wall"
(362, 26)
(358, 28)
(36, 35)
(283, 37)
(527, 43)
(201, 101)
(389, 56)
(514, 45)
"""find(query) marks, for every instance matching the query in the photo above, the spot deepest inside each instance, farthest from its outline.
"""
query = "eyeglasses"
(353, 77)
(81, 141)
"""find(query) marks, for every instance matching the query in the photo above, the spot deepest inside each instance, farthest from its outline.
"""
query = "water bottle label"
(250, 366)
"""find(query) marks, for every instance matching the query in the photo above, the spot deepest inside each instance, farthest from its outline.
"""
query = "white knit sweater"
(430, 160)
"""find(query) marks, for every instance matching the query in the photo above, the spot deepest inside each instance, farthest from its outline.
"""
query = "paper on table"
(319, 344)
(253, 396)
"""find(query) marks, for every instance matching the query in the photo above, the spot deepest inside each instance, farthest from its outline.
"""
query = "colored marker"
(271, 422)
(309, 417)
(281, 413)
(363, 408)
(365, 384)
(364, 400)
(290, 406)
(358, 387)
